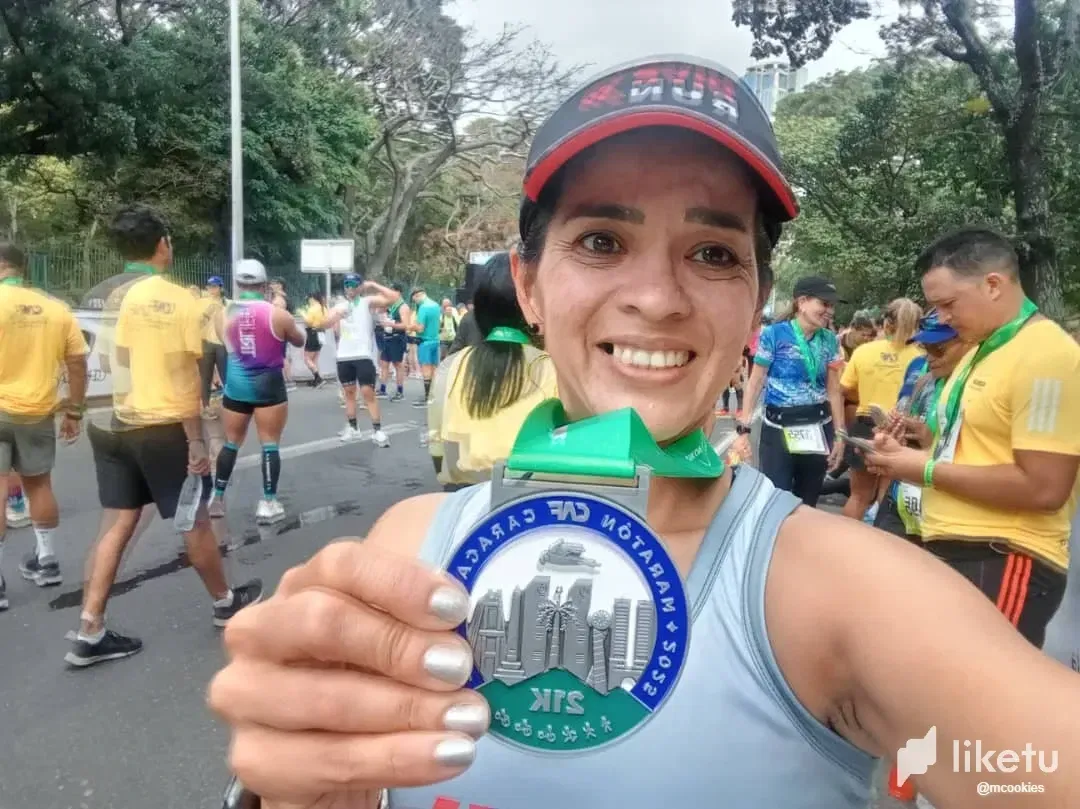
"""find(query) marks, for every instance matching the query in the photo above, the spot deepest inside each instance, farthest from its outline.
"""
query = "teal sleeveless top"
(732, 735)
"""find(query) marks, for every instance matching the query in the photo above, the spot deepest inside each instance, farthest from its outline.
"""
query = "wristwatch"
(237, 796)
(742, 429)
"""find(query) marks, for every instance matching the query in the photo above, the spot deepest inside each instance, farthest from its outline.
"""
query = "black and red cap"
(678, 91)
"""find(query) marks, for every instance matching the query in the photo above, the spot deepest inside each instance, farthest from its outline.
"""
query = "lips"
(658, 359)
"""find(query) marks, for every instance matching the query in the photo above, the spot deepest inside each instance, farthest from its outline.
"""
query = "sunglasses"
(937, 349)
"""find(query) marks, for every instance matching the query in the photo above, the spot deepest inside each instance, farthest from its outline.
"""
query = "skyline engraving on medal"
(578, 622)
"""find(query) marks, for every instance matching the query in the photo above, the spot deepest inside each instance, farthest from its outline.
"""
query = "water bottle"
(191, 497)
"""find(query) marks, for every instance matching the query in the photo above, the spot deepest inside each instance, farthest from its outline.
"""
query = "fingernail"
(470, 718)
(455, 752)
(450, 603)
(451, 664)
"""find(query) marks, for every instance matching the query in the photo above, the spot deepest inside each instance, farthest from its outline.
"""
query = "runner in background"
(999, 485)
(394, 328)
(314, 316)
(901, 508)
(797, 365)
(212, 363)
(861, 330)
(149, 443)
(448, 326)
(38, 336)
(874, 376)
(468, 333)
(426, 329)
(256, 334)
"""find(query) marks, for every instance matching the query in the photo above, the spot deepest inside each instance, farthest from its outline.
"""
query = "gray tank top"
(732, 733)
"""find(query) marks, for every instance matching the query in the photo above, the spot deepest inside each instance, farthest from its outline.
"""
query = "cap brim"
(786, 203)
(929, 338)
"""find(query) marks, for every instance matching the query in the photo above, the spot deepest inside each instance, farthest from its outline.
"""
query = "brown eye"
(715, 255)
(602, 243)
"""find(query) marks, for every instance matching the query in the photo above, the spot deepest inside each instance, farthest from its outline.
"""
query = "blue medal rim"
(600, 509)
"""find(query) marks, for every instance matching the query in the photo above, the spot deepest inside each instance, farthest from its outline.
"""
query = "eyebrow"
(703, 216)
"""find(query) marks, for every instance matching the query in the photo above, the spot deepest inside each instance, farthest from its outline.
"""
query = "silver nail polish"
(471, 718)
(455, 752)
(450, 604)
(451, 664)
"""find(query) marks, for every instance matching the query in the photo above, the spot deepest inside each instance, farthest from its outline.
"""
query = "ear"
(995, 283)
(525, 285)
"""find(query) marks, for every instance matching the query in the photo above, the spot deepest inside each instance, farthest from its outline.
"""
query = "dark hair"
(319, 296)
(494, 373)
(136, 231)
(543, 211)
(13, 257)
(970, 252)
(863, 319)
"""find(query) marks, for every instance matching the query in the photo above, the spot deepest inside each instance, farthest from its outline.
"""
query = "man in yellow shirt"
(998, 484)
(38, 336)
(152, 440)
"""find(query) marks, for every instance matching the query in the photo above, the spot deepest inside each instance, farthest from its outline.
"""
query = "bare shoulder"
(403, 526)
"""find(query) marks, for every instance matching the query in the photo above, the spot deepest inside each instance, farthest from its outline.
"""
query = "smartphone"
(878, 414)
(860, 443)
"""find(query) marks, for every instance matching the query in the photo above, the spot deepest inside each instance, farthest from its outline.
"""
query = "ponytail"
(902, 320)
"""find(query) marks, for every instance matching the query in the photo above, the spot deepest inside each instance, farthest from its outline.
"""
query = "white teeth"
(650, 359)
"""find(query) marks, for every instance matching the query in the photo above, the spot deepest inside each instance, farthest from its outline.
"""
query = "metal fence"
(68, 271)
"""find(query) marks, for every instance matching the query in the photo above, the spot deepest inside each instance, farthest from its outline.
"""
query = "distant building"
(771, 81)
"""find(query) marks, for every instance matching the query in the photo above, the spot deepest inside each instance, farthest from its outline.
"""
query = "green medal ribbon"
(932, 407)
(611, 445)
(252, 296)
(808, 357)
(506, 334)
(948, 412)
(139, 267)
(12, 281)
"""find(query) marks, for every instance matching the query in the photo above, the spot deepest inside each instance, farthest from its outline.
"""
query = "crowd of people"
(821, 645)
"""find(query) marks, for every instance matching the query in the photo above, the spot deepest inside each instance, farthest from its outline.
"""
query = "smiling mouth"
(640, 358)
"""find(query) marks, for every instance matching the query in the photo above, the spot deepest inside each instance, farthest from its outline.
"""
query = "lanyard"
(139, 267)
(251, 296)
(947, 412)
(611, 445)
(810, 360)
(507, 334)
(12, 281)
(932, 407)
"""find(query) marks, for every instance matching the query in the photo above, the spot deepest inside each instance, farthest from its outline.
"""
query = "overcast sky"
(607, 32)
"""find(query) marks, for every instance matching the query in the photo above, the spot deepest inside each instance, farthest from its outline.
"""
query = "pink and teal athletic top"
(256, 354)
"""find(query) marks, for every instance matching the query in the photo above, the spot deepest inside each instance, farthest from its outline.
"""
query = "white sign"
(326, 255)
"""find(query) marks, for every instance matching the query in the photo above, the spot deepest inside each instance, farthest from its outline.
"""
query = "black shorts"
(1026, 591)
(246, 392)
(393, 350)
(359, 372)
(139, 466)
(862, 427)
(311, 342)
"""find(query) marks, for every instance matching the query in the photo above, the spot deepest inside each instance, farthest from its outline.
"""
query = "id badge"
(579, 622)
(909, 506)
(806, 439)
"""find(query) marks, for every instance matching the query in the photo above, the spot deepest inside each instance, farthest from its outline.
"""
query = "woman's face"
(647, 287)
(816, 312)
(942, 358)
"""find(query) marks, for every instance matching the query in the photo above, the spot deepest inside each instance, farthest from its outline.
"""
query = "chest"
(986, 404)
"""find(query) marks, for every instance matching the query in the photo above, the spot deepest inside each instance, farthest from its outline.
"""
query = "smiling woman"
(652, 199)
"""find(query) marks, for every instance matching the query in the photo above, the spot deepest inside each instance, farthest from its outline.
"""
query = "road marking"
(322, 444)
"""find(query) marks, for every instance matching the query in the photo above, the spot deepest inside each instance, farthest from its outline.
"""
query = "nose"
(653, 288)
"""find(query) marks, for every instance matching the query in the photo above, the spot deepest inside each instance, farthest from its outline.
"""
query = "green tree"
(1017, 74)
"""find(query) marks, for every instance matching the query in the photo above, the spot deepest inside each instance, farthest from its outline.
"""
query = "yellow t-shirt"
(208, 308)
(314, 315)
(876, 372)
(160, 327)
(470, 447)
(37, 333)
(1026, 396)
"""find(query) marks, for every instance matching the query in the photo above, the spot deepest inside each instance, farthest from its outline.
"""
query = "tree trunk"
(348, 230)
(1038, 253)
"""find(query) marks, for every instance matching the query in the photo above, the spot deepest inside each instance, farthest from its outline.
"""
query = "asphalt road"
(137, 732)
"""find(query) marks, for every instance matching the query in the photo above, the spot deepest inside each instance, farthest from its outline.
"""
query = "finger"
(302, 766)
(329, 627)
(340, 701)
(397, 584)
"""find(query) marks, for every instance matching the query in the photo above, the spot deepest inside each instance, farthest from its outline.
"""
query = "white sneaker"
(349, 434)
(380, 438)
(216, 507)
(17, 517)
(269, 511)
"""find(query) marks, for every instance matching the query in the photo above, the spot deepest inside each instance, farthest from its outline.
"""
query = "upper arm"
(191, 329)
(286, 325)
(403, 527)
(75, 347)
(765, 348)
(905, 644)
(1045, 403)
(849, 380)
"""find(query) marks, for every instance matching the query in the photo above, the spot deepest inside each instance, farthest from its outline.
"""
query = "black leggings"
(213, 356)
(802, 475)
(726, 397)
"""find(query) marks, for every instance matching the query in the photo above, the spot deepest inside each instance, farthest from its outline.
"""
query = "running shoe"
(3, 593)
(215, 508)
(380, 439)
(397, 397)
(44, 572)
(349, 434)
(269, 512)
(243, 596)
(112, 646)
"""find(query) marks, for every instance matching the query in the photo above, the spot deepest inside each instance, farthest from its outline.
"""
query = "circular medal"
(578, 623)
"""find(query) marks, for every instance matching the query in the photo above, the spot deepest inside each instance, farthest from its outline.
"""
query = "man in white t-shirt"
(352, 320)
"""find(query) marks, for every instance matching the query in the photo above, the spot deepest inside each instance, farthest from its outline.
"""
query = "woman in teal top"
(651, 202)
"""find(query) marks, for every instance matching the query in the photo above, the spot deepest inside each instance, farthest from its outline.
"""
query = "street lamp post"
(237, 158)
